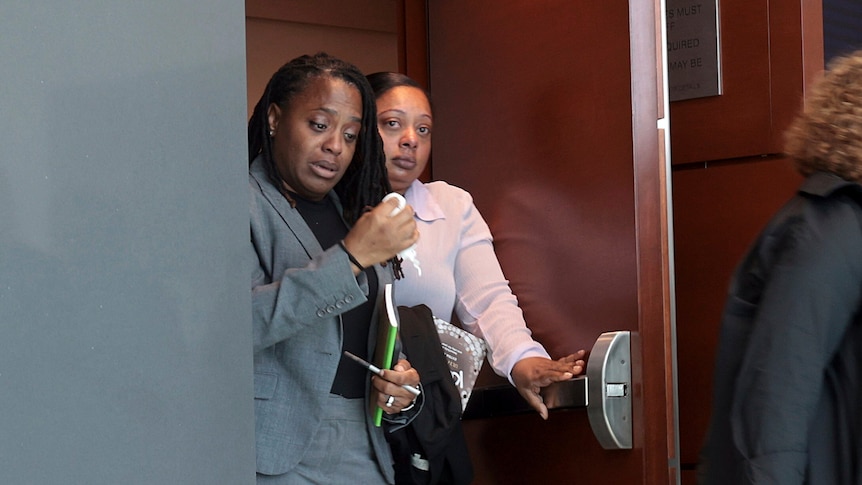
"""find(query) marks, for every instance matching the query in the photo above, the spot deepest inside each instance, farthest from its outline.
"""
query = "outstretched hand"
(530, 375)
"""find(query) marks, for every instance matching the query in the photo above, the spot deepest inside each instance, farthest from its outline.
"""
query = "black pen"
(376, 370)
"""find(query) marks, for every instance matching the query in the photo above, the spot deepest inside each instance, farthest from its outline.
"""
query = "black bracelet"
(350, 256)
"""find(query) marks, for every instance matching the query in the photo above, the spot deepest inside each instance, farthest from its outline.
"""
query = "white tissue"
(408, 254)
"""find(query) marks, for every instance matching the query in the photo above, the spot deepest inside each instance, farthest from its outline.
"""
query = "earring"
(271, 133)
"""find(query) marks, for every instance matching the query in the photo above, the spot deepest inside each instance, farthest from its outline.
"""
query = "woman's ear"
(273, 114)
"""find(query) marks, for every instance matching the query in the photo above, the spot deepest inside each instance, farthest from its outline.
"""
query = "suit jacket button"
(330, 309)
(321, 313)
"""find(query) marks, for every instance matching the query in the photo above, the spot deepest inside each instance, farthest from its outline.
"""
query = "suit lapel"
(291, 217)
(296, 224)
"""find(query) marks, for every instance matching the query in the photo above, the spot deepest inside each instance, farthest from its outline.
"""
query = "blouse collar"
(423, 202)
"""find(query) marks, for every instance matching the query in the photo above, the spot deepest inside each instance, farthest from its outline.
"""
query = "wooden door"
(547, 113)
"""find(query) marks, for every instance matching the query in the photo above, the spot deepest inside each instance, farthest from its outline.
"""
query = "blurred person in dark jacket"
(788, 395)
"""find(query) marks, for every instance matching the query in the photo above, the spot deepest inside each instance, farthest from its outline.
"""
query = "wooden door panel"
(516, 124)
(740, 122)
(769, 52)
(717, 214)
(535, 115)
(725, 187)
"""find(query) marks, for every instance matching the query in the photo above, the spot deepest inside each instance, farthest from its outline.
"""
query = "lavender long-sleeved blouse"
(461, 275)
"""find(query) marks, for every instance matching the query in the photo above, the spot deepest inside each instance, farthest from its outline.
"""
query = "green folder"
(386, 338)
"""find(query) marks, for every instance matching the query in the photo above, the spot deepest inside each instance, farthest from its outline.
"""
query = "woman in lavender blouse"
(460, 275)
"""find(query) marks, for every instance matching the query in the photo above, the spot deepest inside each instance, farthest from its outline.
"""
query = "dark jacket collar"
(824, 184)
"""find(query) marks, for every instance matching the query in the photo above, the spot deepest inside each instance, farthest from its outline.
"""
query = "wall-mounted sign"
(693, 63)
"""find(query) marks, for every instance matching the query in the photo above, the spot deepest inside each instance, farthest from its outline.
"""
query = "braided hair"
(365, 181)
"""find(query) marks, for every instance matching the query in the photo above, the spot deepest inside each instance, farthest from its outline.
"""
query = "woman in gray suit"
(323, 245)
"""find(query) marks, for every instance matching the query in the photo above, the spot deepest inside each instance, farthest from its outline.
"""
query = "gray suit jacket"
(299, 291)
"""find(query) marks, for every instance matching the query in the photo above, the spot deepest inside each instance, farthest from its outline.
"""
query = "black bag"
(432, 448)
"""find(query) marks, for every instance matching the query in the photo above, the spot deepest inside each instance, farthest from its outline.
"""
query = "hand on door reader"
(408, 254)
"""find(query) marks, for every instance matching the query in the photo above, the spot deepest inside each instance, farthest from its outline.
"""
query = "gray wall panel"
(125, 351)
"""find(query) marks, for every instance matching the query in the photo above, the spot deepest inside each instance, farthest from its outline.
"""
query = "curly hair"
(826, 136)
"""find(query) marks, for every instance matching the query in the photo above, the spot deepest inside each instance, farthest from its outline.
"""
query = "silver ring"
(390, 401)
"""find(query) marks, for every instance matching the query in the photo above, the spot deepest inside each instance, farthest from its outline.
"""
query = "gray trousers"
(340, 452)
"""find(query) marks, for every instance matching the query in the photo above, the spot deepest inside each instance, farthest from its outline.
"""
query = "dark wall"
(125, 354)
(841, 27)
